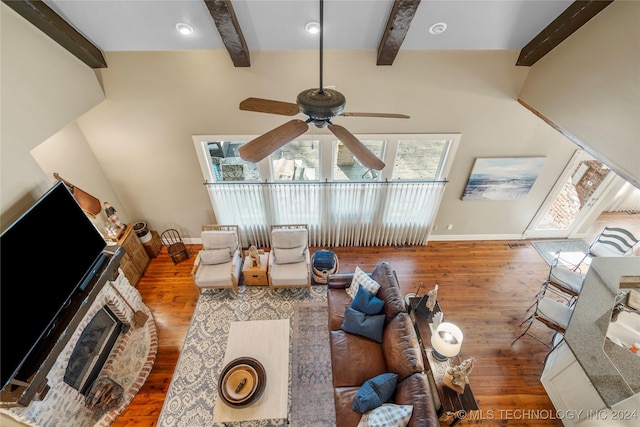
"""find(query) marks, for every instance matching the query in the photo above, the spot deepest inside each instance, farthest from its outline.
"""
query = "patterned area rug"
(193, 392)
(571, 250)
(312, 389)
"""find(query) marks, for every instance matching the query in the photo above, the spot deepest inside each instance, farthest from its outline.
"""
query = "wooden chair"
(289, 259)
(176, 248)
(219, 263)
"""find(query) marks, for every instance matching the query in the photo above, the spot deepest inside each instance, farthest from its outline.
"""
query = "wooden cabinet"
(135, 259)
(256, 276)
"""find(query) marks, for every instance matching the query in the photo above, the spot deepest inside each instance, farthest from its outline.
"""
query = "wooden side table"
(256, 276)
(453, 406)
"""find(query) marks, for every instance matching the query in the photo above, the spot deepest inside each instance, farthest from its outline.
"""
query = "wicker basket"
(320, 276)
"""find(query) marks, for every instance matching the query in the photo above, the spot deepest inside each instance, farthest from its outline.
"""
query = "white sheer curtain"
(337, 214)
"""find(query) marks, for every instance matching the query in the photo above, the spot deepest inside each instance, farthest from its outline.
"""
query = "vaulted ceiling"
(90, 28)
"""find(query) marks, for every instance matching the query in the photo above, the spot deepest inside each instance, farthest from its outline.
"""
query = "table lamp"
(446, 341)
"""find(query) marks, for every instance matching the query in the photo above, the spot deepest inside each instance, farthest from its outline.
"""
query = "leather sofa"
(356, 359)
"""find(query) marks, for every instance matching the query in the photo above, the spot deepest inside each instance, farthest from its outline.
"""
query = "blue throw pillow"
(358, 323)
(375, 392)
(366, 302)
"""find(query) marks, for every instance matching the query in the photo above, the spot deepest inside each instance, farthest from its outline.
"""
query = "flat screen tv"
(48, 257)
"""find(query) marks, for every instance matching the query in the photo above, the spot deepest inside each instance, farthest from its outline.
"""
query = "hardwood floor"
(485, 288)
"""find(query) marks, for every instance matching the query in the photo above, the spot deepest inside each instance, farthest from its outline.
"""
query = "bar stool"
(565, 280)
(553, 314)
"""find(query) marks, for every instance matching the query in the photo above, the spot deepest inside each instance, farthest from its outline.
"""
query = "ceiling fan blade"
(262, 146)
(357, 148)
(261, 105)
(388, 115)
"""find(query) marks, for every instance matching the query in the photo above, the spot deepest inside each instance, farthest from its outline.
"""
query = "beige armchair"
(289, 259)
(219, 263)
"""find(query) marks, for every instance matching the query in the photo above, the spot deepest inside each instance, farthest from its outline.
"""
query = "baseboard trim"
(452, 237)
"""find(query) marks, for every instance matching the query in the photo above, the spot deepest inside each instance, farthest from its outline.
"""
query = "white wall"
(44, 88)
(590, 86)
(158, 100)
(155, 102)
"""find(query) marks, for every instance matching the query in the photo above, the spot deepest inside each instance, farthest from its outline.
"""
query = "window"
(420, 159)
(411, 157)
(297, 161)
(347, 168)
(226, 163)
(318, 182)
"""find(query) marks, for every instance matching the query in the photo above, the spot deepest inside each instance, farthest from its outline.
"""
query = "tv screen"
(46, 257)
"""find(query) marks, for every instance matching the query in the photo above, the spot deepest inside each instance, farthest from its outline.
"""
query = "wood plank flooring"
(485, 288)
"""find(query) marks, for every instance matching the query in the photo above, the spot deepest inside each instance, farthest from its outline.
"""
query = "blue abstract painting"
(502, 178)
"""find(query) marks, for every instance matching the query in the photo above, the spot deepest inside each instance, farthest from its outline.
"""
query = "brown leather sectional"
(356, 359)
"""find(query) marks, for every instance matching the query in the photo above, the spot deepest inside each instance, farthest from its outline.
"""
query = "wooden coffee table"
(454, 406)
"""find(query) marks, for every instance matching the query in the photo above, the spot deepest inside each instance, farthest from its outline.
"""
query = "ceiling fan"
(320, 105)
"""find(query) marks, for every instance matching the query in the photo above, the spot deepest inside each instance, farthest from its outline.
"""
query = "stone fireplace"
(102, 367)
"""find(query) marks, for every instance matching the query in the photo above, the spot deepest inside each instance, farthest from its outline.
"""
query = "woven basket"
(320, 276)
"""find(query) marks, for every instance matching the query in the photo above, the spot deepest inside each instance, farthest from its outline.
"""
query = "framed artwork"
(505, 178)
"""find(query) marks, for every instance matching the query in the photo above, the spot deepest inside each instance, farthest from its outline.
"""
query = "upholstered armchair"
(219, 263)
(289, 259)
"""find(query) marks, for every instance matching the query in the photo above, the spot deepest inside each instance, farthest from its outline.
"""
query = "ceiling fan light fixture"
(312, 27)
(184, 29)
(438, 28)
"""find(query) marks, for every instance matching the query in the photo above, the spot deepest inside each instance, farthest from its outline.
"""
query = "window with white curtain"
(311, 181)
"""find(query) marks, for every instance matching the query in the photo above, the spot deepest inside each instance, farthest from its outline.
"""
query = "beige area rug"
(193, 395)
(268, 342)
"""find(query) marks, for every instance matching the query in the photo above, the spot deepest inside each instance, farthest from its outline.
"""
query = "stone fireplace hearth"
(124, 369)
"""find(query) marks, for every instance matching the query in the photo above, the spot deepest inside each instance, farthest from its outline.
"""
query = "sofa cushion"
(387, 415)
(289, 255)
(374, 392)
(401, 348)
(359, 323)
(337, 300)
(366, 302)
(393, 301)
(343, 399)
(360, 278)
(215, 256)
(354, 359)
(415, 390)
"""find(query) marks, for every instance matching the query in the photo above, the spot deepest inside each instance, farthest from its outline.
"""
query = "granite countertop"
(613, 370)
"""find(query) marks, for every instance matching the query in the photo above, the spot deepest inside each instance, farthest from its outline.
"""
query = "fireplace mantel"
(128, 365)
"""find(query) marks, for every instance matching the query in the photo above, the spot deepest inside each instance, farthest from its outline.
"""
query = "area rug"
(267, 341)
(571, 250)
(192, 394)
(312, 391)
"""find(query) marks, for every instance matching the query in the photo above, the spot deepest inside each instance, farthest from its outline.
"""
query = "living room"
(125, 133)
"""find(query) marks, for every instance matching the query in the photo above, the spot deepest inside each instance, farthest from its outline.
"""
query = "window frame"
(327, 156)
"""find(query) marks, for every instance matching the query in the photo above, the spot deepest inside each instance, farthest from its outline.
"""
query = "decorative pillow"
(360, 278)
(375, 392)
(366, 302)
(289, 256)
(215, 256)
(358, 323)
(387, 415)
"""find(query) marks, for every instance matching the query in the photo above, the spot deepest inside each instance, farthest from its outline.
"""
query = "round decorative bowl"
(242, 382)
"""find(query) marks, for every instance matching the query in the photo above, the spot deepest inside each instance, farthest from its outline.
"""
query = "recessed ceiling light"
(184, 29)
(438, 28)
(312, 27)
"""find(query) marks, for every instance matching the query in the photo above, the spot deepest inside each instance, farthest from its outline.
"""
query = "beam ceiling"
(569, 21)
(225, 19)
(49, 22)
(398, 24)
